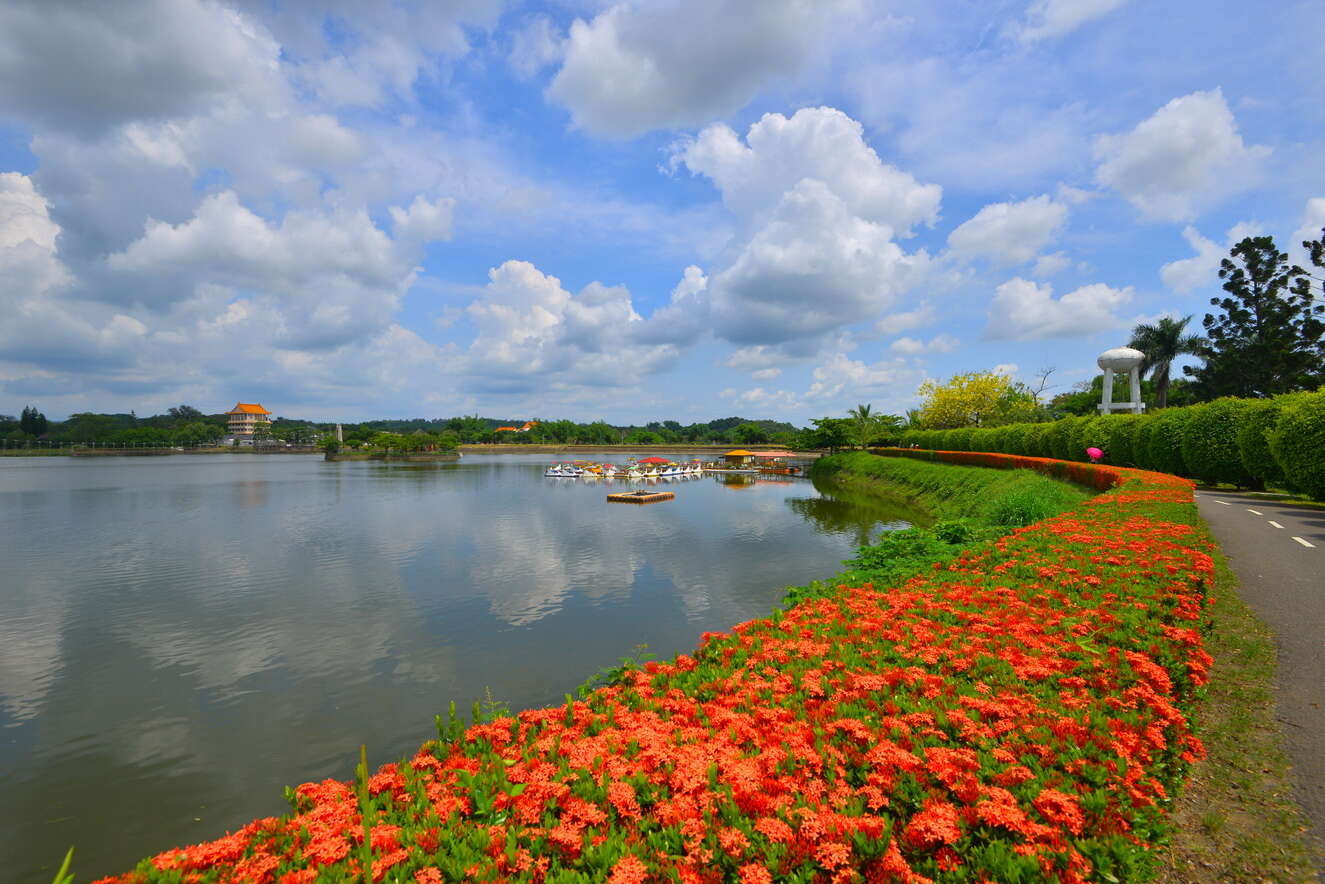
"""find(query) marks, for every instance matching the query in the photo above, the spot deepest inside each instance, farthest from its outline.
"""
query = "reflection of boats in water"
(746, 480)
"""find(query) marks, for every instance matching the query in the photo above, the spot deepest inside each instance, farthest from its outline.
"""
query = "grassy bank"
(979, 495)
(966, 506)
(1019, 714)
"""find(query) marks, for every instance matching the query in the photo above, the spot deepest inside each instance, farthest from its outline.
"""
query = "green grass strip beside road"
(1236, 819)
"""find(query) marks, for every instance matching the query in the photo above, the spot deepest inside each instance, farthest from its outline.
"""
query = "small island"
(416, 447)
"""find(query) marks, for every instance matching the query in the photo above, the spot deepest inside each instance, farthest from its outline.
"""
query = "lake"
(181, 637)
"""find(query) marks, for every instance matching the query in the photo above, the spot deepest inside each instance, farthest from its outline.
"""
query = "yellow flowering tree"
(975, 399)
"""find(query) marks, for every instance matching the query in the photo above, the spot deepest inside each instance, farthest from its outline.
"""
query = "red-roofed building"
(248, 419)
(528, 425)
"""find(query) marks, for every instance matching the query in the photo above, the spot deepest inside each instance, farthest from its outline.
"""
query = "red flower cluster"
(1018, 714)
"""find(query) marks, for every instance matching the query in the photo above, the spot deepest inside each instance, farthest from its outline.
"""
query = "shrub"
(959, 440)
(1021, 506)
(1298, 444)
(953, 531)
(1164, 449)
(1014, 438)
(1210, 442)
(1088, 433)
(1119, 431)
(1258, 420)
(1058, 439)
(1032, 444)
(1145, 428)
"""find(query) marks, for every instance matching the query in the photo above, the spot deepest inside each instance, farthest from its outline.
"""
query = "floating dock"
(639, 496)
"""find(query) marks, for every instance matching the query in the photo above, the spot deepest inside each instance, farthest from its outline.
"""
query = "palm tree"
(864, 423)
(1162, 343)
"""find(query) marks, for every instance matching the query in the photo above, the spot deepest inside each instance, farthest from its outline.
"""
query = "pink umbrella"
(1094, 454)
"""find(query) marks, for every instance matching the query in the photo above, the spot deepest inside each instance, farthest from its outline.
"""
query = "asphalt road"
(1277, 551)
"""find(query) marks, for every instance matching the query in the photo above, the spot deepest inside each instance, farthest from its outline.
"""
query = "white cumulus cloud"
(818, 215)
(532, 335)
(1202, 268)
(940, 343)
(637, 67)
(1186, 274)
(1025, 310)
(1051, 264)
(24, 214)
(821, 143)
(906, 320)
(535, 45)
(337, 276)
(1046, 19)
(1009, 233)
(1185, 156)
(90, 66)
(812, 269)
(842, 378)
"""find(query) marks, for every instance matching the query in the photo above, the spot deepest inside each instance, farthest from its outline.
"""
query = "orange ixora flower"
(871, 733)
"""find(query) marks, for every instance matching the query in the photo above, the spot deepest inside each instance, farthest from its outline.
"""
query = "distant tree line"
(185, 424)
(181, 425)
(473, 429)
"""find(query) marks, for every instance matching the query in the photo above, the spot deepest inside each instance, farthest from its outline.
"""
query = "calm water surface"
(180, 637)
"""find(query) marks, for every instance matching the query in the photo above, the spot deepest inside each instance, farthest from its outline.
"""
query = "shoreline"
(503, 448)
(420, 457)
(721, 702)
(466, 448)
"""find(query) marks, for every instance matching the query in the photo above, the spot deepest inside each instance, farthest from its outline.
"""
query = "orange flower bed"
(1019, 714)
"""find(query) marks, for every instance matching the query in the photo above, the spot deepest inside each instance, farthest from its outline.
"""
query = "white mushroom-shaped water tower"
(1122, 359)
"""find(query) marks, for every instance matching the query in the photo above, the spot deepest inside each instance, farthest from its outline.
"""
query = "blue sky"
(678, 209)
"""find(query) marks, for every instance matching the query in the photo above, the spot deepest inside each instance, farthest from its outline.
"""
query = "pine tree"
(32, 422)
(1307, 281)
(1266, 340)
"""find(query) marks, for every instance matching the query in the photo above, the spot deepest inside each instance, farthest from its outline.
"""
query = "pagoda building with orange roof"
(528, 425)
(248, 419)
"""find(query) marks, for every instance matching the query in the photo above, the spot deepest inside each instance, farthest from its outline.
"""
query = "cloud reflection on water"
(248, 622)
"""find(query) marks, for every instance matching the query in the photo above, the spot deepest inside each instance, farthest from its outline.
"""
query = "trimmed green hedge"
(1244, 442)
(1164, 450)
(1297, 442)
(1210, 443)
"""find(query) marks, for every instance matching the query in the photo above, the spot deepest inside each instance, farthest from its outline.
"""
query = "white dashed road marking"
(1223, 502)
(1275, 524)
(1308, 544)
(1254, 512)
